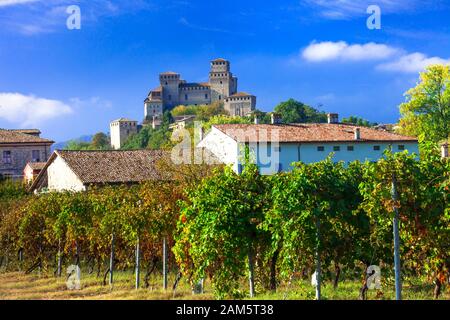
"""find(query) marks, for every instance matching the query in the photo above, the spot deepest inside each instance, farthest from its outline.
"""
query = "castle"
(173, 91)
(222, 86)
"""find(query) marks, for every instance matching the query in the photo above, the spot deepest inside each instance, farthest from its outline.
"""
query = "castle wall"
(240, 106)
(195, 95)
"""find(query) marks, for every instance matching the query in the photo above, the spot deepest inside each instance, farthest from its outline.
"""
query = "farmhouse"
(19, 147)
(79, 170)
(32, 170)
(274, 147)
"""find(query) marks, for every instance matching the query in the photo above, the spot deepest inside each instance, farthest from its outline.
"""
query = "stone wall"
(20, 156)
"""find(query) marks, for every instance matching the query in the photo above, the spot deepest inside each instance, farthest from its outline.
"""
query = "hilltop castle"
(222, 86)
(173, 91)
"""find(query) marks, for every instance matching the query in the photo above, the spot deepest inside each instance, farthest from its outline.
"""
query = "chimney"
(444, 150)
(275, 118)
(357, 133)
(333, 118)
(256, 119)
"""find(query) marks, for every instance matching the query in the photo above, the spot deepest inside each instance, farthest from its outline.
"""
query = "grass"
(18, 286)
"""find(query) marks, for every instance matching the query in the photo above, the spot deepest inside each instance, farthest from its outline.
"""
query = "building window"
(336, 148)
(401, 147)
(321, 148)
(35, 155)
(220, 97)
(206, 96)
(350, 148)
(185, 97)
(166, 83)
(170, 97)
(376, 148)
(220, 81)
(7, 157)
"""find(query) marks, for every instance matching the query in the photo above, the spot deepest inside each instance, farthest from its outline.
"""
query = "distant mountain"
(62, 145)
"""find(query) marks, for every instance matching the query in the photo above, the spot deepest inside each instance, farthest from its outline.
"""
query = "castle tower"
(221, 80)
(170, 84)
(121, 130)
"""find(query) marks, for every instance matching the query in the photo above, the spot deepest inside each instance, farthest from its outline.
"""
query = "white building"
(78, 170)
(120, 130)
(275, 147)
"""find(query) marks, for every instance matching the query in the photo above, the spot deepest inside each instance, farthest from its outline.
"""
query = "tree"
(358, 121)
(100, 141)
(293, 111)
(426, 112)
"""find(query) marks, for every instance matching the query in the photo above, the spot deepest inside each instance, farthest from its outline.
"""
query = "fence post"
(165, 264)
(111, 261)
(398, 280)
(138, 262)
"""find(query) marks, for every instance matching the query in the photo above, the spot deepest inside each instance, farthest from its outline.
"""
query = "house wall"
(62, 178)
(20, 156)
(222, 146)
(308, 153)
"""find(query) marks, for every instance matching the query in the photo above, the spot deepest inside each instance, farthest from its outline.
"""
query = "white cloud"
(4, 3)
(30, 111)
(412, 63)
(327, 51)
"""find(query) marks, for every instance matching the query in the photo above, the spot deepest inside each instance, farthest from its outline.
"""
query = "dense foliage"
(358, 121)
(293, 111)
(426, 112)
(100, 141)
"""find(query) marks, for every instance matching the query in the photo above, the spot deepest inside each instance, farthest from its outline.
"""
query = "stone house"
(19, 147)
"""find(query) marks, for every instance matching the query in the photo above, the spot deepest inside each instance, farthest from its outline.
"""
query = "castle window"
(220, 81)
(185, 97)
(166, 83)
(170, 97)
(220, 97)
(206, 96)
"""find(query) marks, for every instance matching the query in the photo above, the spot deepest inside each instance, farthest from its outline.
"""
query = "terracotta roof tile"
(14, 136)
(315, 132)
(113, 166)
(36, 165)
(241, 94)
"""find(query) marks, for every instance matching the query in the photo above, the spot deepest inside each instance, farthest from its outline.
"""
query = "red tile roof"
(314, 132)
(36, 165)
(15, 136)
(113, 166)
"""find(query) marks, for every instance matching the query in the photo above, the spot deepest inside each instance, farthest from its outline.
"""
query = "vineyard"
(246, 235)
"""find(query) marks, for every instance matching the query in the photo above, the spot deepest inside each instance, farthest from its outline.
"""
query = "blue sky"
(74, 82)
